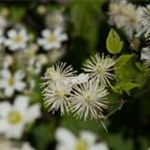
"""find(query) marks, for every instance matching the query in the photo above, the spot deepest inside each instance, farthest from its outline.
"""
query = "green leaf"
(113, 43)
(123, 59)
(125, 86)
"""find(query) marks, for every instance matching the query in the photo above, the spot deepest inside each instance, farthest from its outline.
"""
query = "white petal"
(41, 41)
(62, 37)
(9, 91)
(15, 131)
(58, 31)
(12, 33)
(5, 73)
(46, 33)
(4, 108)
(19, 86)
(21, 103)
(19, 75)
(65, 137)
(26, 146)
(3, 126)
(88, 136)
(33, 113)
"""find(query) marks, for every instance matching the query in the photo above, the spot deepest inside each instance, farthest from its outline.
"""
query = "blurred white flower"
(26, 146)
(52, 39)
(11, 83)
(124, 15)
(100, 67)
(13, 118)
(55, 19)
(17, 39)
(144, 20)
(88, 100)
(86, 141)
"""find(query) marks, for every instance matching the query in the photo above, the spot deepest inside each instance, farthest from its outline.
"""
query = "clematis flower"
(11, 83)
(13, 118)
(52, 39)
(16, 39)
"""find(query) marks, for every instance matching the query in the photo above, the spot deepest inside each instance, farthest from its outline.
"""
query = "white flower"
(58, 83)
(52, 39)
(86, 141)
(55, 19)
(13, 118)
(56, 97)
(100, 67)
(26, 146)
(124, 15)
(88, 100)
(17, 39)
(144, 20)
(59, 72)
(11, 83)
(145, 55)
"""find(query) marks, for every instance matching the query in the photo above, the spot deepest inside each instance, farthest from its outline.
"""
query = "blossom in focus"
(58, 82)
(11, 83)
(13, 118)
(17, 39)
(86, 141)
(100, 68)
(52, 39)
(88, 100)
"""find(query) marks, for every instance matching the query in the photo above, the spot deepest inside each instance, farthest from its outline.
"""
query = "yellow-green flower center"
(81, 145)
(17, 39)
(11, 81)
(14, 117)
(52, 38)
(100, 69)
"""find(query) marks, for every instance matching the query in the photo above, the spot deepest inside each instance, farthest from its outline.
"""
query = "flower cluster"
(23, 57)
(85, 94)
(134, 20)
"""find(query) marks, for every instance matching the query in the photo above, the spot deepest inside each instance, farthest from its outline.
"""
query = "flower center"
(11, 81)
(14, 117)
(81, 145)
(51, 38)
(100, 69)
(17, 39)
(88, 97)
(60, 93)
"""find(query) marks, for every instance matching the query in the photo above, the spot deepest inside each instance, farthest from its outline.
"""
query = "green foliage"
(113, 43)
(117, 142)
(85, 17)
(17, 13)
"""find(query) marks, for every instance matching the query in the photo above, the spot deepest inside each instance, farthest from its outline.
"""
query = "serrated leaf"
(113, 43)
